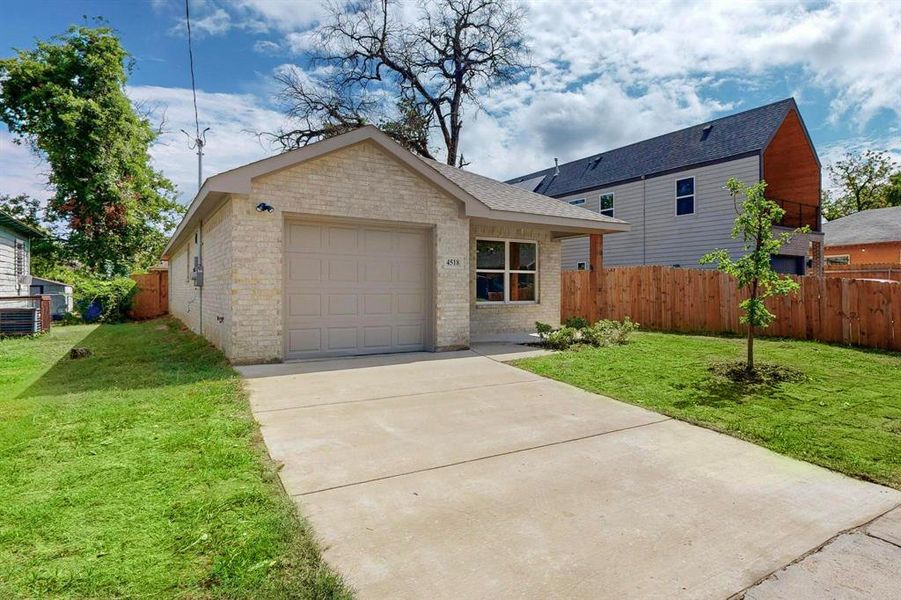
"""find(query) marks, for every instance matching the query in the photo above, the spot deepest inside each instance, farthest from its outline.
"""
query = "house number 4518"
(453, 262)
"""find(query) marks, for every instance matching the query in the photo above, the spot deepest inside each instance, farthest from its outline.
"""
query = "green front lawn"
(138, 472)
(846, 416)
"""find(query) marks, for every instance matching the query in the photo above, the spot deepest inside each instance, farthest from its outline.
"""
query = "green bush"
(608, 333)
(543, 329)
(114, 296)
(562, 338)
(576, 322)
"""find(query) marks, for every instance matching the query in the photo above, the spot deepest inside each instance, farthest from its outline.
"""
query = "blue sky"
(606, 74)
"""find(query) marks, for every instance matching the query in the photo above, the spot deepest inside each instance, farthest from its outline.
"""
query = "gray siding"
(9, 285)
(658, 236)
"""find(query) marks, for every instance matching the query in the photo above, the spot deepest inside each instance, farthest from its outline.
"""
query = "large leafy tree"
(754, 270)
(864, 180)
(66, 99)
(411, 74)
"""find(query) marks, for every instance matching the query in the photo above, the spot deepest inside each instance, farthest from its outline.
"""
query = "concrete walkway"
(456, 476)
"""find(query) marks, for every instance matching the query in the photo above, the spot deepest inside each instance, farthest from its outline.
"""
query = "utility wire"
(191, 61)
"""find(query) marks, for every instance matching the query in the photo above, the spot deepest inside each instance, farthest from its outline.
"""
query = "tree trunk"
(750, 366)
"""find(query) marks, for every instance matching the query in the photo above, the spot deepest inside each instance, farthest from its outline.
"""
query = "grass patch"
(834, 406)
(139, 472)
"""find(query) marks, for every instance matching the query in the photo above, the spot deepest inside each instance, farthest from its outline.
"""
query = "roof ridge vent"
(706, 131)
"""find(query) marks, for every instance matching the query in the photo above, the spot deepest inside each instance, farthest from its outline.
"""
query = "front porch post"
(596, 275)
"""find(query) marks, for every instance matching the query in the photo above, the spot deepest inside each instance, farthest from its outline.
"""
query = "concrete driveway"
(456, 476)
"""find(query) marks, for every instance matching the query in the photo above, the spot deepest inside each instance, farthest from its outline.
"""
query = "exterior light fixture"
(263, 207)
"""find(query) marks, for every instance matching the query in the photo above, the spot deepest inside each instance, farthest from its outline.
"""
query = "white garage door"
(355, 289)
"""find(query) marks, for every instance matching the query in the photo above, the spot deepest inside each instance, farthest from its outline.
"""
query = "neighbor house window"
(506, 271)
(685, 196)
(838, 259)
(605, 204)
(581, 266)
(577, 202)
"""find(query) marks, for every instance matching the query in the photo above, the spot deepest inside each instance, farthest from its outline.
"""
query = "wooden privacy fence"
(865, 313)
(152, 298)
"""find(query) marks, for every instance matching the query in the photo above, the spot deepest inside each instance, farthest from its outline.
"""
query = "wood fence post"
(596, 275)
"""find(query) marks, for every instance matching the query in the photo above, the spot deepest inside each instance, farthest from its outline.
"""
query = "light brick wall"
(359, 181)
(189, 303)
(487, 320)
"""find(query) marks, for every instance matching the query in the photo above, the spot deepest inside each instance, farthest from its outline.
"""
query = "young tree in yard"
(754, 270)
(409, 74)
(66, 99)
(864, 182)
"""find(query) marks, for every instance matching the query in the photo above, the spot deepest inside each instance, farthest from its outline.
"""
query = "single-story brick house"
(353, 245)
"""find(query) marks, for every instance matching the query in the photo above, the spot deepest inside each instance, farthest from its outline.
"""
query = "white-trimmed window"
(578, 202)
(506, 271)
(838, 259)
(685, 196)
(605, 204)
(581, 266)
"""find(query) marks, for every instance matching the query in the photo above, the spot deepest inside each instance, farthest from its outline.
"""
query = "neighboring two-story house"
(15, 256)
(671, 190)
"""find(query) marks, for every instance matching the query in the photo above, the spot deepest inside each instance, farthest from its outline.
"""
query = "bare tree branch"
(408, 78)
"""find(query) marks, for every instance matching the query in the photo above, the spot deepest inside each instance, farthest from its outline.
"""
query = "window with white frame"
(506, 271)
(685, 196)
(581, 266)
(577, 202)
(605, 204)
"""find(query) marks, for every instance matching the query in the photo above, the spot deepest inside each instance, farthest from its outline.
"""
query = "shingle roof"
(865, 227)
(501, 196)
(738, 134)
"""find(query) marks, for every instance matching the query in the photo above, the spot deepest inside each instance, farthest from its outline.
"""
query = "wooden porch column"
(596, 275)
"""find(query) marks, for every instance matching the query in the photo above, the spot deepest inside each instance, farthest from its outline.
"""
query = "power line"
(199, 136)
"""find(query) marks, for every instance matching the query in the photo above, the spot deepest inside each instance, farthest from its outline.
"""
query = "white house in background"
(61, 301)
(15, 256)
(670, 189)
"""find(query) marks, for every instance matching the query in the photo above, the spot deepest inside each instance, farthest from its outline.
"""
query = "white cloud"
(233, 119)
(21, 172)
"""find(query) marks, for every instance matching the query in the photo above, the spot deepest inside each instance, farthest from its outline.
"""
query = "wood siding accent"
(790, 166)
(826, 309)
(152, 298)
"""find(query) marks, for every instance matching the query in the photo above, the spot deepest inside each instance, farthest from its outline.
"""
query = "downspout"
(644, 221)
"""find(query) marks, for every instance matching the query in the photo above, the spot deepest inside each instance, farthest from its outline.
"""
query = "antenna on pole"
(198, 142)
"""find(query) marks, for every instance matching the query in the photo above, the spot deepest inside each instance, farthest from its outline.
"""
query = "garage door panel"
(377, 304)
(343, 271)
(342, 305)
(306, 237)
(343, 240)
(410, 335)
(378, 271)
(305, 340)
(378, 336)
(304, 305)
(378, 241)
(356, 289)
(303, 268)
